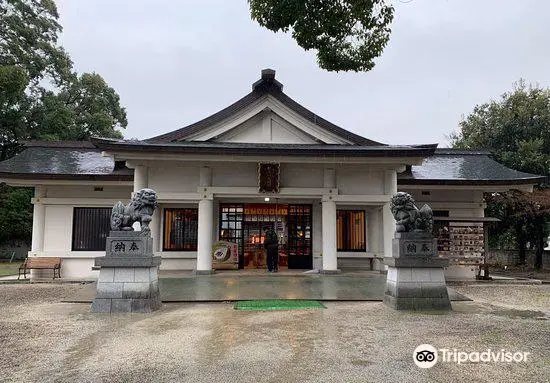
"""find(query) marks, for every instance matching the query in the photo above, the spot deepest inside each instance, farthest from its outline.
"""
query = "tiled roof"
(62, 160)
(455, 167)
(265, 149)
(267, 85)
(82, 160)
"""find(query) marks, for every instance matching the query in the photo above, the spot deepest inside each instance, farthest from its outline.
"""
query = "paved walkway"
(246, 285)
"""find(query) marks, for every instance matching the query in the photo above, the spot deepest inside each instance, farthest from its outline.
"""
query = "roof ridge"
(58, 144)
(461, 151)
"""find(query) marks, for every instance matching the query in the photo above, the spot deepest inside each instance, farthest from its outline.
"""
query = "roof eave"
(412, 151)
(76, 177)
(463, 182)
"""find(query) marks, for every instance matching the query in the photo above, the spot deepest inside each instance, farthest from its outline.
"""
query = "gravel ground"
(48, 341)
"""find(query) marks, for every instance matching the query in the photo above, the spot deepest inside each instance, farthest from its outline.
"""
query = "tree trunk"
(539, 249)
(521, 241)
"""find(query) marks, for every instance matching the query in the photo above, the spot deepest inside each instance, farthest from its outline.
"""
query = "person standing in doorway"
(271, 244)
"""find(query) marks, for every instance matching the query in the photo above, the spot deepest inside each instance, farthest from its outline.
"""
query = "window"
(231, 224)
(351, 230)
(180, 229)
(91, 227)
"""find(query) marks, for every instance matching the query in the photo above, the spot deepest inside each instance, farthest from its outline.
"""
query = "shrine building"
(264, 161)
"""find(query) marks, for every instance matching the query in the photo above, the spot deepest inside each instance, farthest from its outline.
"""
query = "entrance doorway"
(246, 224)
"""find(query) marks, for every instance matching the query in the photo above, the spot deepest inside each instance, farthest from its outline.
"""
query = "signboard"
(418, 248)
(268, 177)
(266, 209)
(225, 255)
(126, 247)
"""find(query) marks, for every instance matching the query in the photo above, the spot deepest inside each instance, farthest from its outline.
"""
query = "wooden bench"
(44, 263)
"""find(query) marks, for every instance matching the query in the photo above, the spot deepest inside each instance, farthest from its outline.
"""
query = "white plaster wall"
(459, 203)
(359, 179)
(352, 179)
(58, 227)
(174, 178)
(284, 133)
(87, 191)
(302, 175)
(179, 263)
(248, 131)
(238, 174)
(445, 195)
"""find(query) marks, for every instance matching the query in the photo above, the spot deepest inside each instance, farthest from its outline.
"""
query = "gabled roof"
(464, 167)
(74, 160)
(267, 85)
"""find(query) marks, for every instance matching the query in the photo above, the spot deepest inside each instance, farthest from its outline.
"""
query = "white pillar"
(156, 228)
(330, 261)
(141, 177)
(390, 188)
(204, 240)
(38, 219)
(373, 229)
(141, 181)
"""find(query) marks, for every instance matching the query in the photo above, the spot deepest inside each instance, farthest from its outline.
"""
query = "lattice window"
(351, 230)
(91, 227)
(180, 229)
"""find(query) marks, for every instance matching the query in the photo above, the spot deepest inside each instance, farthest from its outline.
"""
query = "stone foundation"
(128, 276)
(417, 289)
(127, 289)
(415, 279)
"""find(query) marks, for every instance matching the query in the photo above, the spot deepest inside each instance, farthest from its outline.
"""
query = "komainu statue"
(140, 209)
(408, 217)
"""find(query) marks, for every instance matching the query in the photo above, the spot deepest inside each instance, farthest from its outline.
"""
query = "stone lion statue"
(408, 217)
(140, 209)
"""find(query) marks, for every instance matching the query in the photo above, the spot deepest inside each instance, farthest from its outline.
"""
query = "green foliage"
(29, 31)
(15, 214)
(88, 106)
(40, 95)
(515, 128)
(13, 108)
(347, 34)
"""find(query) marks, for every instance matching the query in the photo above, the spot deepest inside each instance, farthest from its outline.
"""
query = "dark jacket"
(271, 243)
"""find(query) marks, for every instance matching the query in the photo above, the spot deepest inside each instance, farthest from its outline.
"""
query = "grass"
(278, 304)
(7, 268)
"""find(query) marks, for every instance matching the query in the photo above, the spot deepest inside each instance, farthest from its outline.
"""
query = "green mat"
(278, 304)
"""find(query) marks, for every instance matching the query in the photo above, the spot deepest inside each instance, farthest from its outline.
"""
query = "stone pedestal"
(415, 279)
(128, 278)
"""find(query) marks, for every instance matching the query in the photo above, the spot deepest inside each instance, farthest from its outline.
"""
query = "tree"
(86, 107)
(516, 129)
(41, 97)
(526, 214)
(15, 214)
(347, 34)
(13, 108)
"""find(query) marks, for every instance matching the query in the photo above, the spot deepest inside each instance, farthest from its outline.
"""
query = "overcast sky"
(176, 62)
